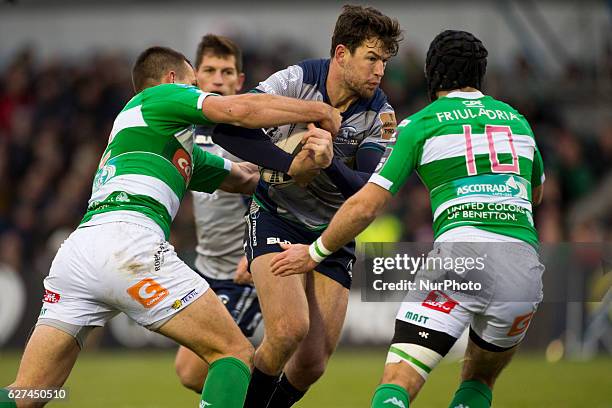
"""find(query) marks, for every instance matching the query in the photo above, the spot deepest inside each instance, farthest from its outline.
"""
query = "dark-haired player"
(304, 315)
(119, 259)
(479, 160)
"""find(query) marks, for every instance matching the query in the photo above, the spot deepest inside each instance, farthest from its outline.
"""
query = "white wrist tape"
(317, 251)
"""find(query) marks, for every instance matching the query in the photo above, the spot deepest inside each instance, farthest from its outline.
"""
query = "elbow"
(366, 211)
(233, 110)
(243, 112)
(245, 116)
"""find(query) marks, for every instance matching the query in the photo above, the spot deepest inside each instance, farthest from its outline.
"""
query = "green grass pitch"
(128, 379)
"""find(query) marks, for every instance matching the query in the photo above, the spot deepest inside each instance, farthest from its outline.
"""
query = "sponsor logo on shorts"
(158, 257)
(182, 162)
(274, 240)
(204, 140)
(185, 299)
(51, 297)
(424, 334)
(520, 324)
(147, 292)
(224, 299)
(437, 300)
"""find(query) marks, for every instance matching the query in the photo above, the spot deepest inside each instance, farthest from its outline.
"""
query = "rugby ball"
(290, 144)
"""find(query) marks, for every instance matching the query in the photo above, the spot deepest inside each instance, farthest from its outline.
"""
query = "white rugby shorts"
(501, 311)
(105, 269)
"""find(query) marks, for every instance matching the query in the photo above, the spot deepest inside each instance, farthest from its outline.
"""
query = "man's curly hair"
(357, 24)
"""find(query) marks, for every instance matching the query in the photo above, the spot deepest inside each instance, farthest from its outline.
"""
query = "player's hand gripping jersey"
(477, 157)
(367, 124)
(151, 159)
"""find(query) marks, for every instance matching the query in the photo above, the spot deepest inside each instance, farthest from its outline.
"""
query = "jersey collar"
(465, 95)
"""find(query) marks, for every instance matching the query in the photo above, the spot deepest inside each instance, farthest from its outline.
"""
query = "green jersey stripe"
(122, 201)
(138, 184)
(497, 185)
(477, 198)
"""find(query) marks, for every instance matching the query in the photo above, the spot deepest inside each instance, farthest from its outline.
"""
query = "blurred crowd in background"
(56, 115)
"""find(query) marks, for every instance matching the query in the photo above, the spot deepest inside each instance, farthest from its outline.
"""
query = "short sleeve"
(209, 171)
(178, 104)
(400, 158)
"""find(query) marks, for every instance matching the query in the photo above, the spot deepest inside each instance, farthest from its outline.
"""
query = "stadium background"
(65, 74)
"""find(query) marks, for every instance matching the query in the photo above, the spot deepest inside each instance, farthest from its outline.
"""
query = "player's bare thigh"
(282, 299)
(47, 361)
(285, 310)
(206, 327)
(327, 304)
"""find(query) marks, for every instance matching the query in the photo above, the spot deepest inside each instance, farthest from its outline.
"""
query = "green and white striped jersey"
(477, 157)
(151, 159)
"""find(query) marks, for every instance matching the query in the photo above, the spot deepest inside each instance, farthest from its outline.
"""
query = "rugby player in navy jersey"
(304, 314)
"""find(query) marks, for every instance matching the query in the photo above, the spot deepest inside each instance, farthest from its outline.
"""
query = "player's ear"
(169, 77)
(241, 78)
(340, 54)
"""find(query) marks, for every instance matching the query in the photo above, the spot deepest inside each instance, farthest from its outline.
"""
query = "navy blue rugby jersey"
(367, 124)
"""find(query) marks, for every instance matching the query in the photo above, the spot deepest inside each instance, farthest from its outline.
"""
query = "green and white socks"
(226, 384)
(5, 400)
(390, 396)
(472, 394)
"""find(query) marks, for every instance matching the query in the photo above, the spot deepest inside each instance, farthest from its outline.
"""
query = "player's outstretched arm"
(353, 217)
(242, 178)
(264, 110)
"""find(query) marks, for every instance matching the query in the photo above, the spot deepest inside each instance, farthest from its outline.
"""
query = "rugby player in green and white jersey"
(478, 158)
(119, 260)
